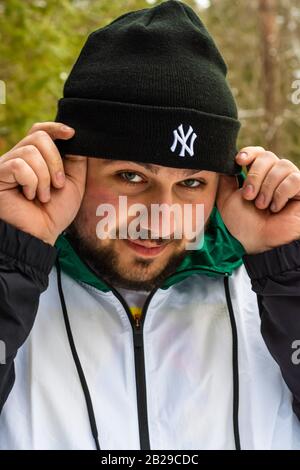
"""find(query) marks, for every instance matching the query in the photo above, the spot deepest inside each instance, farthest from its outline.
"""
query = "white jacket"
(177, 389)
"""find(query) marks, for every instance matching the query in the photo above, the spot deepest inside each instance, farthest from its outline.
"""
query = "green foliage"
(40, 40)
(235, 27)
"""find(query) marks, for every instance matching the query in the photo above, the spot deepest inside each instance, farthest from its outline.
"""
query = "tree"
(260, 41)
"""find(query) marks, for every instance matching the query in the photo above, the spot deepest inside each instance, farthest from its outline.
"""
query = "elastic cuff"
(26, 248)
(275, 261)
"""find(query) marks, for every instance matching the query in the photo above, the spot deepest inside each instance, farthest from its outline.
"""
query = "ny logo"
(183, 140)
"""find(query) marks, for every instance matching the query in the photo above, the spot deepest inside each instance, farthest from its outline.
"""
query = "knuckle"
(285, 163)
(39, 163)
(35, 126)
(294, 177)
(30, 150)
(41, 135)
(259, 148)
(16, 164)
(270, 155)
(252, 148)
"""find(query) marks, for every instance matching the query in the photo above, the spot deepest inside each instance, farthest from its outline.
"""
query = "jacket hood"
(220, 255)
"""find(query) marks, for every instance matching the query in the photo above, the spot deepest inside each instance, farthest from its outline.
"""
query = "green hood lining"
(219, 255)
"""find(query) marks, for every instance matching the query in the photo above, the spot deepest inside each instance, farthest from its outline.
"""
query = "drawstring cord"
(84, 385)
(76, 359)
(235, 366)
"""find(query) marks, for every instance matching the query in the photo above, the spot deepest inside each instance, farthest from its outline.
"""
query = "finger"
(248, 154)
(76, 170)
(18, 171)
(56, 130)
(43, 142)
(286, 190)
(53, 129)
(35, 160)
(227, 185)
(257, 173)
(274, 177)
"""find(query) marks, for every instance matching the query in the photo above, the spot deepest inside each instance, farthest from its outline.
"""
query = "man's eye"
(131, 177)
(192, 183)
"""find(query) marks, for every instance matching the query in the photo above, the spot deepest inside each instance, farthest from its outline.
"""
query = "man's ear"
(240, 178)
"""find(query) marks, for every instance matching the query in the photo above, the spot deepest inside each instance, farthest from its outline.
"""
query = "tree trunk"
(270, 70)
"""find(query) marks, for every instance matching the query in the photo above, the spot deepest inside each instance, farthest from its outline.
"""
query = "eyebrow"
(149, 166)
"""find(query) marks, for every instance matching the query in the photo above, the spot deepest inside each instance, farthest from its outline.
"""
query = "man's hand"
(265, 212)
(39, 192)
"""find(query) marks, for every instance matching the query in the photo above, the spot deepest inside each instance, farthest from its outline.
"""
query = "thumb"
(76, 169)
(227, 186)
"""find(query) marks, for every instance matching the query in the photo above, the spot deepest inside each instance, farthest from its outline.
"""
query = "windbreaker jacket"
(210, 365)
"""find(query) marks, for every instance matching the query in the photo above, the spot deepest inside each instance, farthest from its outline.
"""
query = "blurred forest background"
(259, 39)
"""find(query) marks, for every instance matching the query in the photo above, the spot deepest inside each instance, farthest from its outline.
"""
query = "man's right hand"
(39, 192)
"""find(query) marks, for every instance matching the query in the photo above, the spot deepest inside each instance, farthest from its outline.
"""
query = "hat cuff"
(149, 134)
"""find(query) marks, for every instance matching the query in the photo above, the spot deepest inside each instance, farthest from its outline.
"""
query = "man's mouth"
(146, 247)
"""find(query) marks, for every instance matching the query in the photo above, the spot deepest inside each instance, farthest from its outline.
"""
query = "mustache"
(145, 234)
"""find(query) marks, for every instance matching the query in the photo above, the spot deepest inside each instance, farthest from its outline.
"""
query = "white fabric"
(188, 362)
(134, 298)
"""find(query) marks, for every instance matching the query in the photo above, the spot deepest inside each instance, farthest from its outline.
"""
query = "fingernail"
(249, 189)
(273, 207)
(261, 199)
(243, 155)
(66, 128)
(60, 177)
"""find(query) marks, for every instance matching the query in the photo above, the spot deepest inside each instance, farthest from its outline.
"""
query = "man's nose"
(164, 216)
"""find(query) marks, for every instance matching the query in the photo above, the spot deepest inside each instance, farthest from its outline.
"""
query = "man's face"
(145, 262)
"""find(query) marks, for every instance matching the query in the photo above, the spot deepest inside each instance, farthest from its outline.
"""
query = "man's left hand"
(265, 212)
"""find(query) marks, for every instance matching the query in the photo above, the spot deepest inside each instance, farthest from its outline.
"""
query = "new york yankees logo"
(183, 140)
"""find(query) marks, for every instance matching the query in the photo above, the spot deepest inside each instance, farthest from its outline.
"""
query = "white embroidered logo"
(183, 140)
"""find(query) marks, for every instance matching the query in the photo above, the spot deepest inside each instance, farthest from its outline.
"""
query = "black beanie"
(151, 87)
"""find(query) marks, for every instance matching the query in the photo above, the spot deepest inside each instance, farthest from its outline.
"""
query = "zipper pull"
(137, 321)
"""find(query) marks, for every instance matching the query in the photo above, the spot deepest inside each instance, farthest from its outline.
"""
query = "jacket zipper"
(140, 374)
(137, 324)
(138, 341)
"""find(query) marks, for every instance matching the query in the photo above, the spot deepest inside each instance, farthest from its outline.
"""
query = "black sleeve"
(25, 264)
(275, 277)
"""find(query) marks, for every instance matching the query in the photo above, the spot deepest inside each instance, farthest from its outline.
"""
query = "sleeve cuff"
(26, 248)
(275, 261)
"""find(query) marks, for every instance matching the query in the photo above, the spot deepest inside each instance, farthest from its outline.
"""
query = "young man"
(143, 343)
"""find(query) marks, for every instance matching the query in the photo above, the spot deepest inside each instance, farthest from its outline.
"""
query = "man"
(141, 342)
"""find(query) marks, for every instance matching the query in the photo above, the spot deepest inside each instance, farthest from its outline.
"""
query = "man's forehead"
(154, 168)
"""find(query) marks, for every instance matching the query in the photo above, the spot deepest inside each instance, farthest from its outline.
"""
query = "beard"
(105, 263)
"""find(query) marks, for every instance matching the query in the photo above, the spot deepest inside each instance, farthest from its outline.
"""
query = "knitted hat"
(151, 87)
